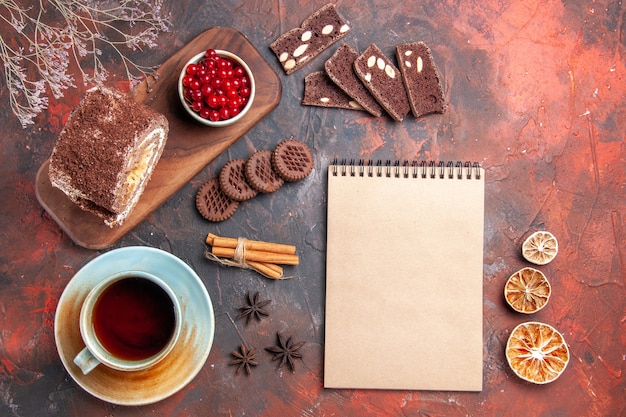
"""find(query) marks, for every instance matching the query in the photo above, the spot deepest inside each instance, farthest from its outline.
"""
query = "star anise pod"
(286, 351)
(244, 359)
(254, 308)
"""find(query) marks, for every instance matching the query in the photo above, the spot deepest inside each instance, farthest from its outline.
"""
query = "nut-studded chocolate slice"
(421, 78)
(292, 160)
(233, 181)
(213, 204)
(297, 47)
(260, 174)
(339, 68)
(320, 91)
(383, 80)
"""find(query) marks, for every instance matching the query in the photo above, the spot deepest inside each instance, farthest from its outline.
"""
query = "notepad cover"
(404, 282)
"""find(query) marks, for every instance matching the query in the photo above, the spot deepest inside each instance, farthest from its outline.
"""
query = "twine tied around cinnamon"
(263, 257)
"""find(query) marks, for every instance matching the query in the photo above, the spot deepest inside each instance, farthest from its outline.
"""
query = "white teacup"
(129, 321)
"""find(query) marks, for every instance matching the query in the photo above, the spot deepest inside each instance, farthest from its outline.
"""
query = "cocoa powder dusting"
(93, 146)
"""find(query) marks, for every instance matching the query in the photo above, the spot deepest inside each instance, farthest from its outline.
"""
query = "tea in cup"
(129, 321)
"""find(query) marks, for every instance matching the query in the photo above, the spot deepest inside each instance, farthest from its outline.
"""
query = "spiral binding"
(407, 169)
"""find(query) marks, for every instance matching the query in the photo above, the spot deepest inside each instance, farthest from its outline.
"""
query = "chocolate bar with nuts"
(421, 78)
(297, 47)
(383, 80)
(339, 68)
(320, 91)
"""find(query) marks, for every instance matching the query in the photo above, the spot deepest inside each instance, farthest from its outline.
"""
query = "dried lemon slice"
(527, 291)
(540, 248)
(537, 352)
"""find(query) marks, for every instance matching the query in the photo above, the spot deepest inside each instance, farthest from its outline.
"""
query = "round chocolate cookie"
(292, 160)
(213, 204)
(233, 181)
(260, 174)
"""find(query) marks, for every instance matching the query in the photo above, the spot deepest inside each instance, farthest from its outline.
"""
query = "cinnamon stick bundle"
(263, 257)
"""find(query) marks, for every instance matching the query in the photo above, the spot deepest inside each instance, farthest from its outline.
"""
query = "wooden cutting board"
(190, 145)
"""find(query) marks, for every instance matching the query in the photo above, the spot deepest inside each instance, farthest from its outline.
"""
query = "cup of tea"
(129, 321)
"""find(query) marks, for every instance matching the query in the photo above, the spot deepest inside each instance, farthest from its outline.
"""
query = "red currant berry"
(214, 115)
(192, 69)
(222, 64)
(235, 103)
(222, 73)
(239, 71)
(194, 84)
(204, 79)
(206, 90)
(232, 93)
(222, 100)
(196, 95)
(210, 53)
(227, 84)
(187, 79)
(213, 101)
(234, 111)
(197, 105)
(217, 82)
(225, 113)
(236, 83)
(245, 91)
(205, 113)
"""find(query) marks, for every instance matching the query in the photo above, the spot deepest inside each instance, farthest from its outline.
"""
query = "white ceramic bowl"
(195, 115)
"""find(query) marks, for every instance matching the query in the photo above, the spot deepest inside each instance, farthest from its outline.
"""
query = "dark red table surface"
(536, 95)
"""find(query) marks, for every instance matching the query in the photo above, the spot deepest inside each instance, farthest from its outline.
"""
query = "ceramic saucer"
(169, 375)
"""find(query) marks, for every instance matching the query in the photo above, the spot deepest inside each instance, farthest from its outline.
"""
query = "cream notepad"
(404, 275)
